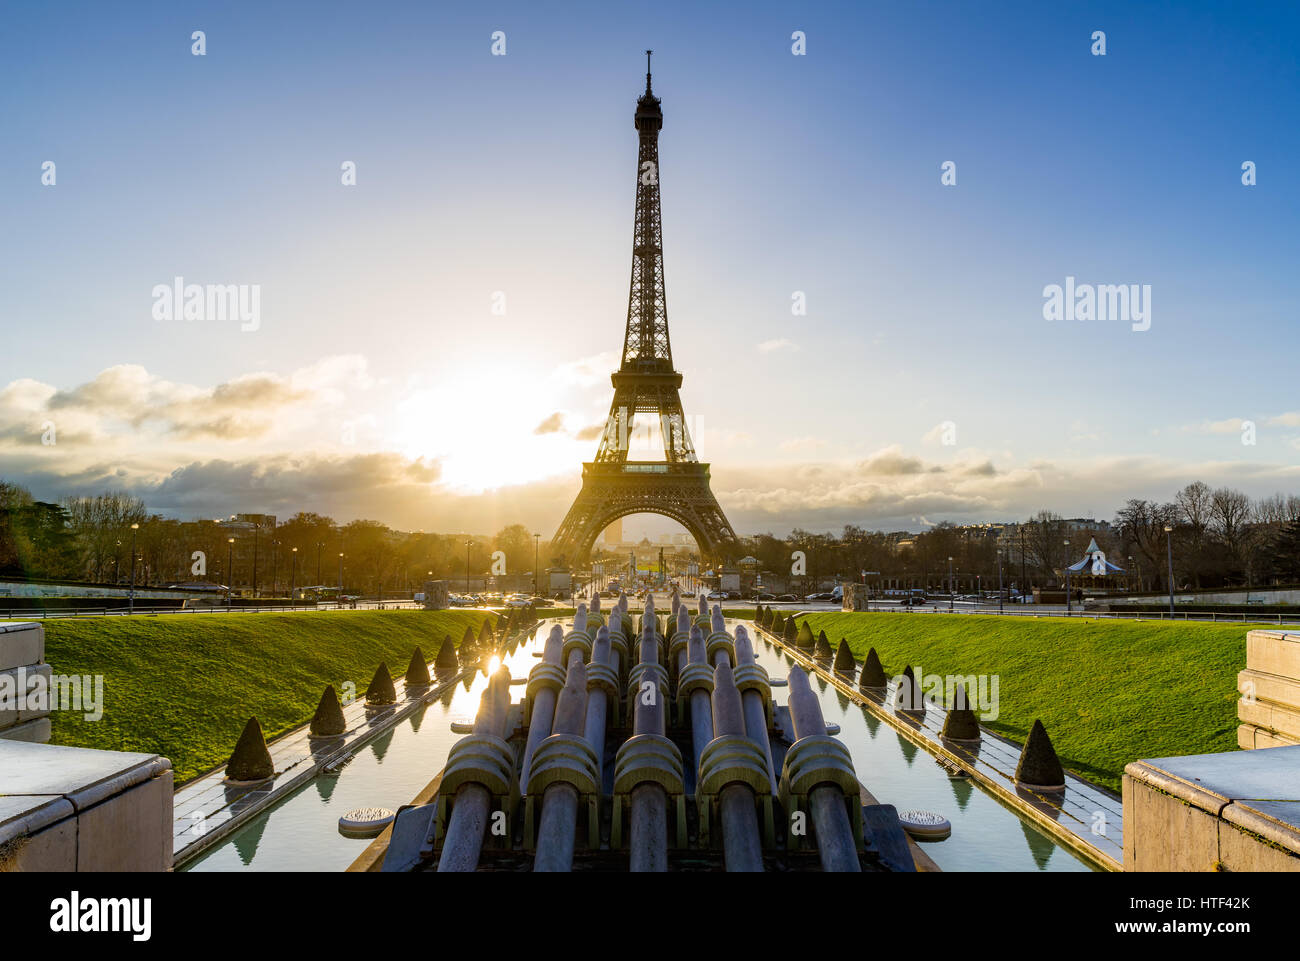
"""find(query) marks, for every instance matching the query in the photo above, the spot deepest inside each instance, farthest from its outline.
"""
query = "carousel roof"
(1088, 564)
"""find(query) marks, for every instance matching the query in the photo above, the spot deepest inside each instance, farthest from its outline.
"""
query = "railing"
(42, 613)
(1211, 616)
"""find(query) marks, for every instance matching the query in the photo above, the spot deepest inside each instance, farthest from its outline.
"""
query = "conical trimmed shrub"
(844, 662)
(961, 724)
(328, 720)
(250, 761)
(446, 663)
(791, 630)
(776, 624)
(1039, 766)
(485, 633)
(823, 650)
(417, 672)
(468, 643)
(873, 672)
(803, 635)
(381, 690)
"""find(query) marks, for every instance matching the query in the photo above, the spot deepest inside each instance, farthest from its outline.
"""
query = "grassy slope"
(1109, 692)
(184, 685)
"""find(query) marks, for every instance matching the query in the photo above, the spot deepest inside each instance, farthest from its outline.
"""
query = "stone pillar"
(855, 597)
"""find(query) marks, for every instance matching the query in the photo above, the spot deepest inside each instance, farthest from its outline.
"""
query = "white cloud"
(780, 343)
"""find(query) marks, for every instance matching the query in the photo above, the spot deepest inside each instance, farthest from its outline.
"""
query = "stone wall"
(22, 661)
(1269, 708)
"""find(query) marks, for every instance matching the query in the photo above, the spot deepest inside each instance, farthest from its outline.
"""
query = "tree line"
(1220, 537)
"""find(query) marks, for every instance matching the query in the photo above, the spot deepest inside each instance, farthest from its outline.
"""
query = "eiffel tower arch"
(646, 383)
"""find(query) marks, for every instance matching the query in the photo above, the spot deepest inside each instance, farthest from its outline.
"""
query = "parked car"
(786, 597)
(715, 596)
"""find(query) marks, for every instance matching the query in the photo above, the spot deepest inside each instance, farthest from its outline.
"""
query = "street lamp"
(537, 573)
(999, 580)
(1067, 577)
(230, 581)
(340, 591)
(254, 560)
(1169, 543)
(468, 542)
(950, 585)
(275, 563)
(131, 596)
(293, 578)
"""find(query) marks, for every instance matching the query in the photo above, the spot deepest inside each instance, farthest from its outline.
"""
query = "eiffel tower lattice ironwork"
(646, 383)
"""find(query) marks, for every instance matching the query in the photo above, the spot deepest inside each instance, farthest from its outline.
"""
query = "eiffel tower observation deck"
(646, 383)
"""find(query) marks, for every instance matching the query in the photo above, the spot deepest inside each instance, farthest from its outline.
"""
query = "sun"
(484, 438)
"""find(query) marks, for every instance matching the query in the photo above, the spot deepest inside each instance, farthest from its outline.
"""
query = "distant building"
(246, 522)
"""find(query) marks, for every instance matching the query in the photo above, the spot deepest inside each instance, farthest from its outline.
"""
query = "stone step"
(1274, 652)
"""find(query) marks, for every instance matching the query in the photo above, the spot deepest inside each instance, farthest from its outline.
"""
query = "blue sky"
(780, 173)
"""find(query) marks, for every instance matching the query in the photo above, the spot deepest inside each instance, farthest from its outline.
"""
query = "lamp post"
(131, 596)
(1067, 577)
(537, 572)
(468, 542)
(230, 581)
(1169, 544)
(293, 578)
(951, 590)
(340, 591)
(255, 560)
(319, 545)
(275, 562)
(999, 580)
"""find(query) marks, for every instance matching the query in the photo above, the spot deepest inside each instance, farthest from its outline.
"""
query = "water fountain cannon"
(544, 683)
(564, 773)
(479, 773)
(818, 780)
(733, 774)
(756, 696)
(579, 638)
(719, 644)
(648, 767)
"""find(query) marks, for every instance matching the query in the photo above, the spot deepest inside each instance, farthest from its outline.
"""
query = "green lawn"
(1108, 691)
(183, 685)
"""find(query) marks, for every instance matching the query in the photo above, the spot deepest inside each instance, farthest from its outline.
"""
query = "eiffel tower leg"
(680, 493)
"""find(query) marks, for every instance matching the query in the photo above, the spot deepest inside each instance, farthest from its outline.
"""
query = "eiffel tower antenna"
(646, 383)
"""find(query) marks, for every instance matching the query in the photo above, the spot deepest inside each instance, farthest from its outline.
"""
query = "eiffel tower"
(646, 383)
